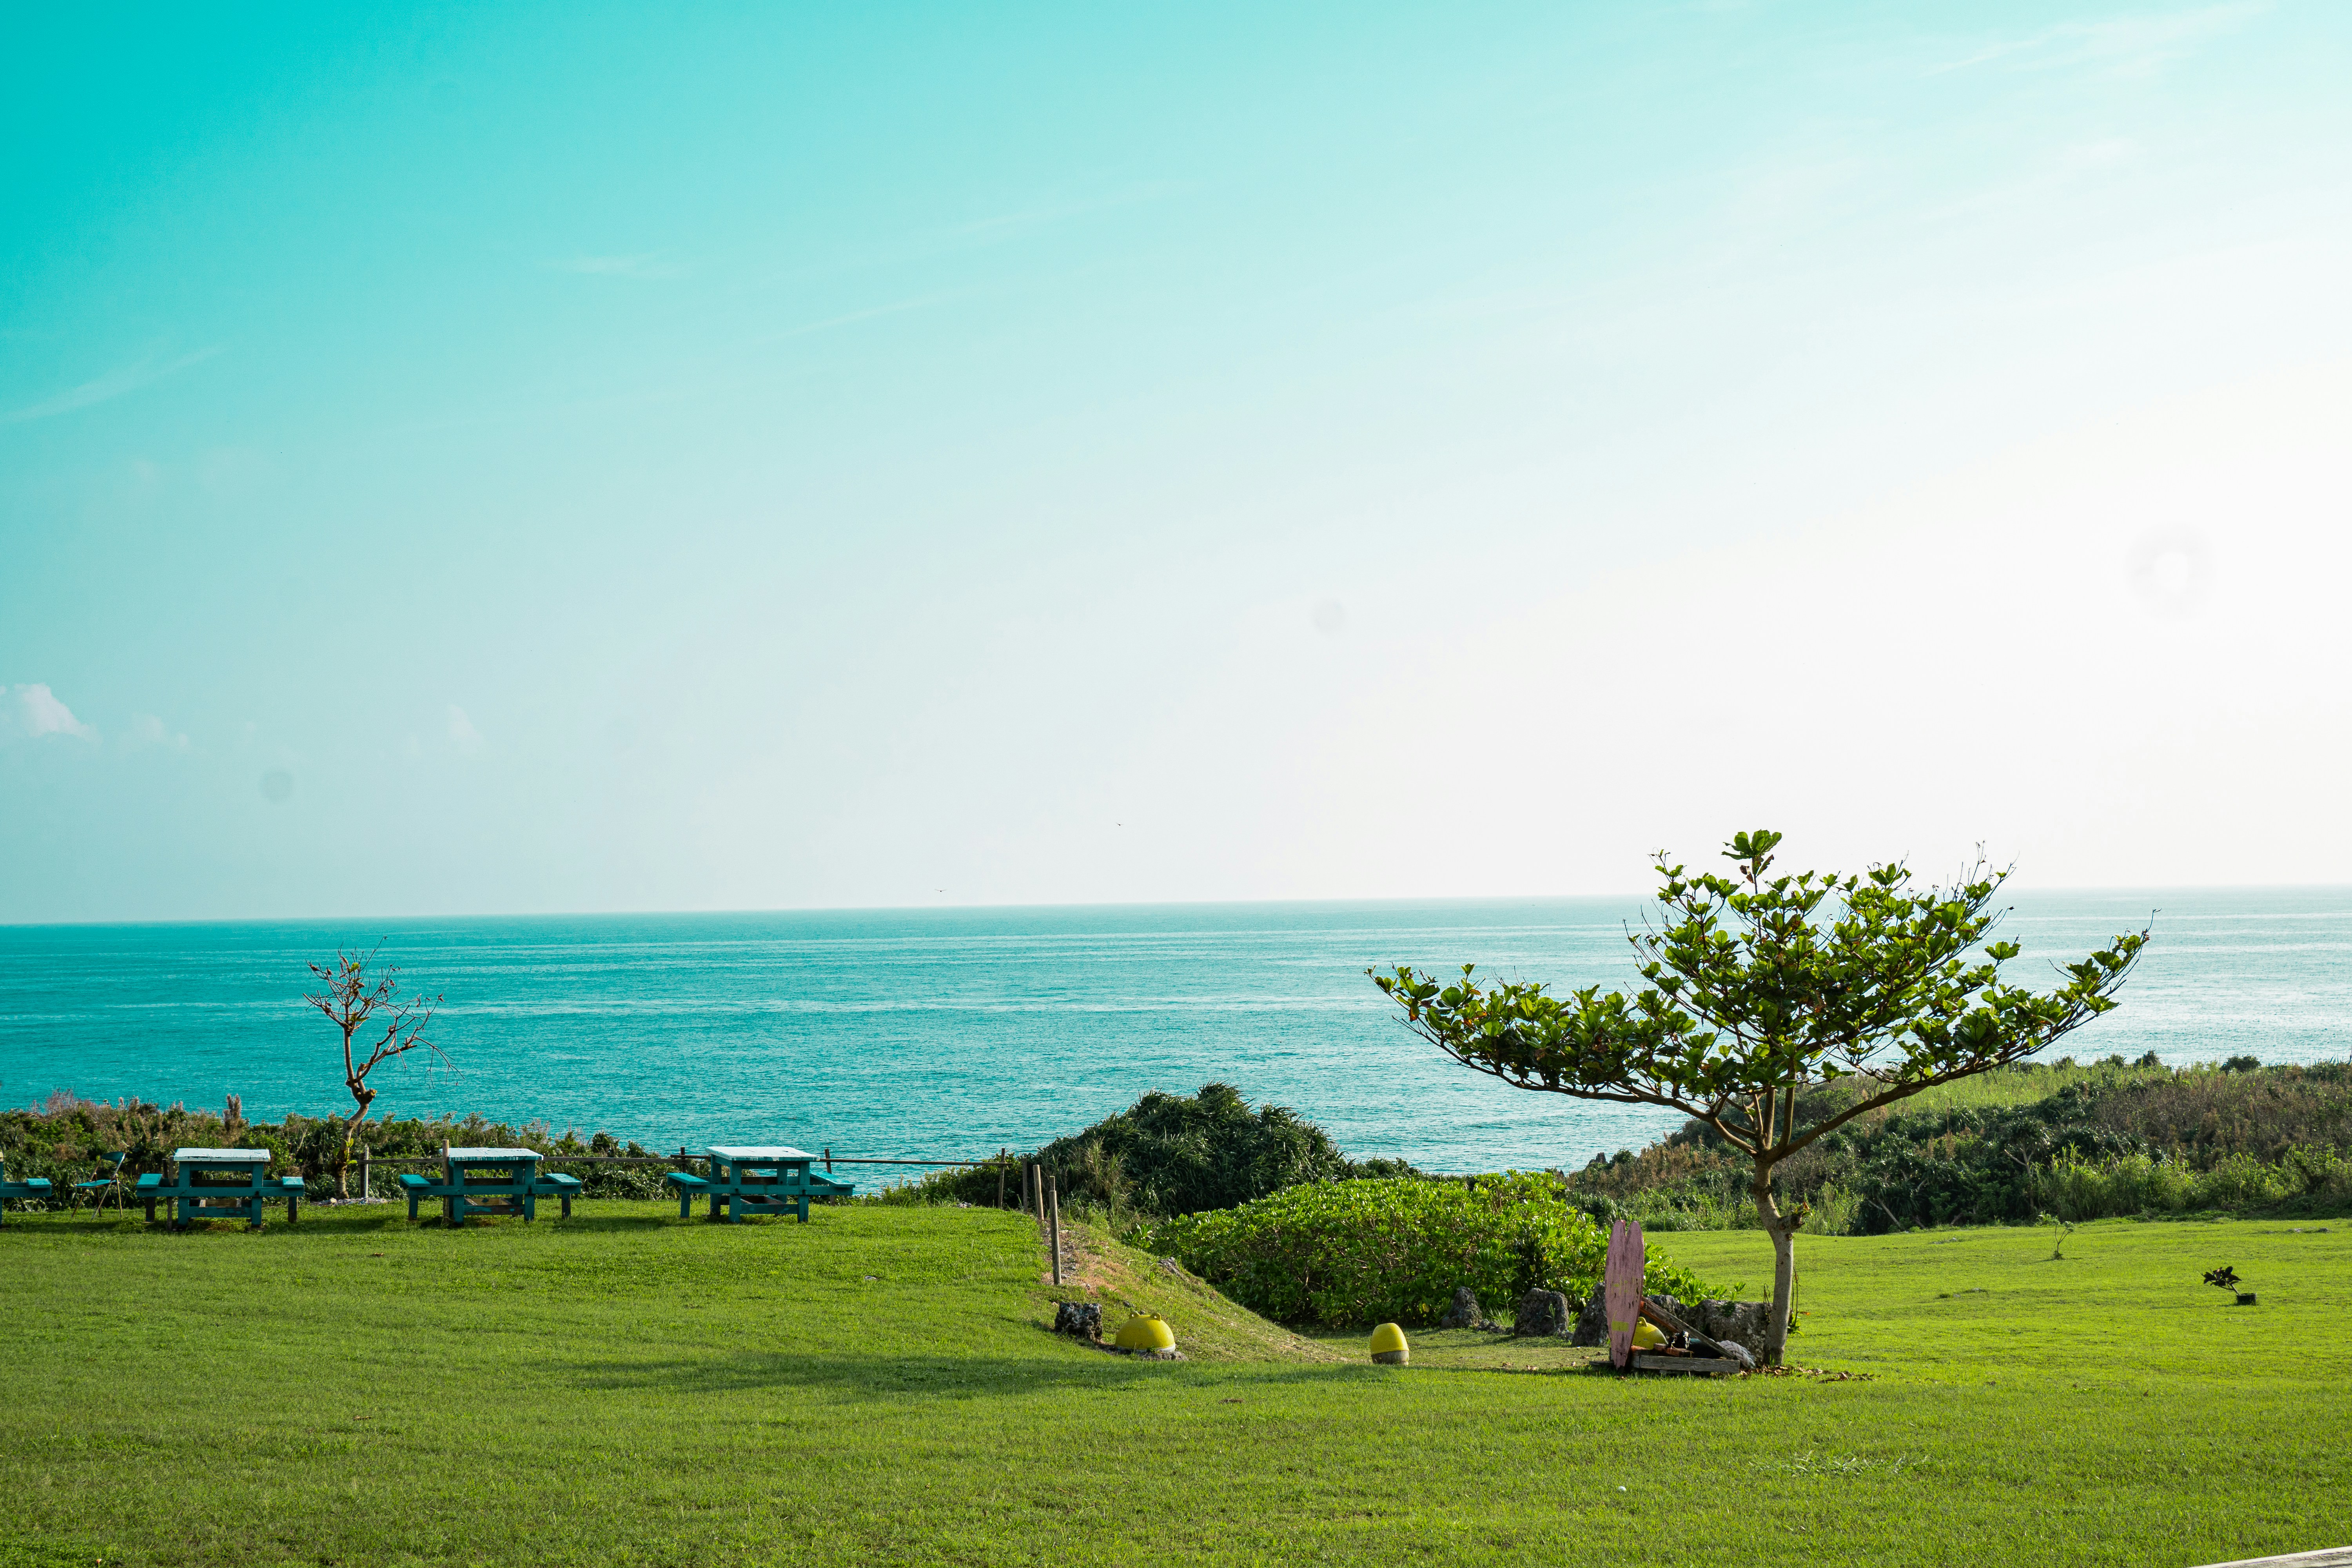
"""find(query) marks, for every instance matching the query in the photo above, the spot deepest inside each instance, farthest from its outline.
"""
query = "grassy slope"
(625, 1389)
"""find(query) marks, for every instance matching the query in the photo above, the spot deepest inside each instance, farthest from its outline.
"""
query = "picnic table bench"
(755, 1178)
(503, 1182)
(31, 1187)
(208, 1183)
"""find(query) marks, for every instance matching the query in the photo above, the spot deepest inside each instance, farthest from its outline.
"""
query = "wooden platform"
(1704, 1366)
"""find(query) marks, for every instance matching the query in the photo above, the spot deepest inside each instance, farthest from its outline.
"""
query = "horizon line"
(1459, 898)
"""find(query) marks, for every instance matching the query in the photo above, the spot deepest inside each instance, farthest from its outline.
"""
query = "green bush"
(1346, 1253)
(1171, 1154)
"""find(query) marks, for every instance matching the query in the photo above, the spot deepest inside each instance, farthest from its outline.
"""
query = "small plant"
(2058, 1247)
(356, 1003)
(2222, 1278)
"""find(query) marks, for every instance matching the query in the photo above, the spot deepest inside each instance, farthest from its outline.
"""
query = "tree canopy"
(1762, 985)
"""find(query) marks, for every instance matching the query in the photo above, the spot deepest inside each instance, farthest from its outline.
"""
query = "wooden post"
(1037, 1188)
(365, 1188)
(1054, 1207)
(828, 1158)
(1001, 1163)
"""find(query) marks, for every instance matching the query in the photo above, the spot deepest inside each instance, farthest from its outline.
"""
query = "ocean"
(952, 1033)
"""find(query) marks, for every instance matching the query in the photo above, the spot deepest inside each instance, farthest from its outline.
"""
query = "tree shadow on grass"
(937, 1374)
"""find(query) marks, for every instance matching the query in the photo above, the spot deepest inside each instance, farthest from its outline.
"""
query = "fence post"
(828, 1158)
(1054, 1207)
(1000, 1162)
(366, 1187)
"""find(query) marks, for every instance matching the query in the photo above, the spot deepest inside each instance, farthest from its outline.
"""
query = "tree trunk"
(344, 1166)
(1782, 1229)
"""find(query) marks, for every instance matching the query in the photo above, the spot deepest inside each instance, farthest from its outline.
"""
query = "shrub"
(1173, 1154)
(1346, 1253)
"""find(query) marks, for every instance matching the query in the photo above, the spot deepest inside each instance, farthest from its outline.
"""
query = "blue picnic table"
(32, 1187)
(489, 1182)
(756, 1178)
(210, 1183)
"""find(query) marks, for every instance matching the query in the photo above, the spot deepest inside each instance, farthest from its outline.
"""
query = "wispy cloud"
(2124, 46)
(33, 711)
(920, 301)
(652, 265)
(114, 384)
(147, 729)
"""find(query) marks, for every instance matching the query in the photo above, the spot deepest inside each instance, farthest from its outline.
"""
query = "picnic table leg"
(293, 1205)
(685, 1204)
(805, 1209)
(714, 1205)
(567, 1203)
(530, 1205)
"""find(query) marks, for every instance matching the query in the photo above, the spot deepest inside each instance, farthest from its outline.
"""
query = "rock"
(1465, 1312)
(1593, 1322)
(1738, 1353)
(1741, 1323)
(1082, 1319)
(1541, 1312)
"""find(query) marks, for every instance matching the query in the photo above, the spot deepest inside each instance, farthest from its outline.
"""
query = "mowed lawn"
(877, 1386)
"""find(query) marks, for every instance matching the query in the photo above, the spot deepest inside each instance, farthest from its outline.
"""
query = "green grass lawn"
(876, 1385)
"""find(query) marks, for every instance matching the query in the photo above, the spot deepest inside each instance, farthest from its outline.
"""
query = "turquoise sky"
(564, 457)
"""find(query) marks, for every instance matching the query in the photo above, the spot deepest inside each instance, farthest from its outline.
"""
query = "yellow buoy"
(1148, 1331)
(1389, 1348)
(1647, 1335)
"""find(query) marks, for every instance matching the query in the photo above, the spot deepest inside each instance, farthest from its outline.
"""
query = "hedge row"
(1346, 1253)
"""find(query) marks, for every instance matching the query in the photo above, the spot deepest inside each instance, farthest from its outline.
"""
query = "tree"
(1760, 989)
(374, 1009)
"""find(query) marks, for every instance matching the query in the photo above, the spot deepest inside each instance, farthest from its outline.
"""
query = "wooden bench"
(689, 1187)
(556, 1186)
(416, 1189)
(31, 1187)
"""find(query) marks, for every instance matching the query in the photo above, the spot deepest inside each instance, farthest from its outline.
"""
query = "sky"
(572, 458)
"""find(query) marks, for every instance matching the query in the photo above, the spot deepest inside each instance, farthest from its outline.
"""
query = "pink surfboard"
(1620, 1285)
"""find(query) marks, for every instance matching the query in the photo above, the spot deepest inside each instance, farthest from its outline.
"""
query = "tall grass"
(2026, 1084)
(2074, 1190)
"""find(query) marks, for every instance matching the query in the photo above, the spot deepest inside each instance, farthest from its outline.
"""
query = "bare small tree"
(377, 1023)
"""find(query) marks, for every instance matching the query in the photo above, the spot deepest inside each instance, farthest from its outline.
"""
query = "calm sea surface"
(950, 1034)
